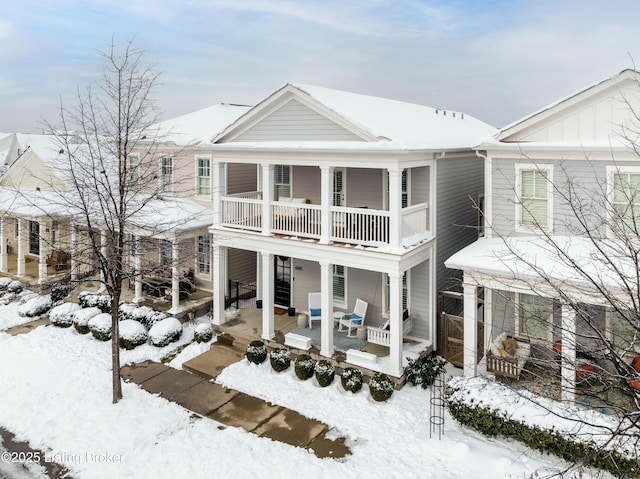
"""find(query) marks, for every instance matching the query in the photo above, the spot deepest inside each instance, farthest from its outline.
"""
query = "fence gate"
(451, 328)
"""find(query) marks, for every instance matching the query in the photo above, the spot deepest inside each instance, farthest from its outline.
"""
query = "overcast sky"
(497, 60)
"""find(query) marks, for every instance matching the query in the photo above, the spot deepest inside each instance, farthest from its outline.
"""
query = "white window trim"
(161, 186)
(519, 168)
(198, 273)
(196, 188)
(346, 296)
(612, 170)
(130, 157)
(518, 333)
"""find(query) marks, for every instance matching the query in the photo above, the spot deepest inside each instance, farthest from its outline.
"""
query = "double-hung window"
(134, 170)
(204, 176)
(166, 174)
(204, 254)
(534, 196)
(534, 317)
(624, 186)
(282, 181)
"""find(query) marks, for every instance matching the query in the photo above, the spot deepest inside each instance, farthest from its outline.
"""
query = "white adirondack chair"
(355, 319)
(314, 305)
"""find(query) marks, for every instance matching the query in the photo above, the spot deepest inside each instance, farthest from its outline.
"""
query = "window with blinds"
(339, 291)
(282, 182)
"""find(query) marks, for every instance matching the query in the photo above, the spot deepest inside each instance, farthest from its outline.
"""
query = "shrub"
(304, 366)
(256, 352)
(203, 333)
(34, 305)
(100, 326)
(59, 291)
(325, 372)
(165, 331)
(147, 316)
(381, 387)
(81, 318)
(7, 297)
(351, 380)
(424, 370)
(131, 334)
(4, 283)
(125, 311)
(15, 286)
(280, 359)
(63, 314)
(88, 299)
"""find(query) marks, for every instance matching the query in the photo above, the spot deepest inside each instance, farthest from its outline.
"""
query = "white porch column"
(470, 359)
(488, 317)
(74, 251)
(568, 365)
(395, 208)
(326, 201)
(175, 278)
(21, 265)
(103, 252)
(219, 190)
(4, 259)
(219, 281)
(267, 198)
(137, 271)
(268, 270)
(42, 253)
(395, 320)
(326, 305)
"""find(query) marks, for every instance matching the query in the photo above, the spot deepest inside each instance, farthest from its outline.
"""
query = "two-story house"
(556, 264)
(356, 197)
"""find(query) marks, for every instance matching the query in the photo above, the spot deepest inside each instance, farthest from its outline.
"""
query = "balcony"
(359, 226)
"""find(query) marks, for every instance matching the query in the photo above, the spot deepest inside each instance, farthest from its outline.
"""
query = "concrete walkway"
(230, 407)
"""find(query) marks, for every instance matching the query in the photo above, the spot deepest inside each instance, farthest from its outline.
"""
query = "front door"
(282, 281)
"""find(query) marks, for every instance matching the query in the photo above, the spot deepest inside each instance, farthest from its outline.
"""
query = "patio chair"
(355, 319)
(314, 305)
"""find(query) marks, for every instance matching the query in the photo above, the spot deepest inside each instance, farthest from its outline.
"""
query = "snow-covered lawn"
(56, 393)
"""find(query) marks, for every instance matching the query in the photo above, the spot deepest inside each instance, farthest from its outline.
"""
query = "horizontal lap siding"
(421, 301)
(241, 178)
(242, 265)
(364, 187)
(294, 121)
(305, 183)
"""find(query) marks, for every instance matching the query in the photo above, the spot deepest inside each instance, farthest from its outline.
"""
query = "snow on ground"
(9, 313)
(56, 393)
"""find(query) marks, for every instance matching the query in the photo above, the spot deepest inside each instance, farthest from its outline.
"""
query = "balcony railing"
(361, 226)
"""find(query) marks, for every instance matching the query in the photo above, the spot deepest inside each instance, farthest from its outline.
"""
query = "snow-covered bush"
(131, 333)
(325, 372)
(147, 316)
(256, 352)
(381, 387)
(351, 379)
(4, 283)
(203, 333)
(280, 359)
(424, 370)
(81, 318)
(125, 311)
(34, 305)
(304, 367)
(63, 314)
(89, 299)
(15, 286)
(100, 326)
(59, 291)
(7, 298)
(165, 331)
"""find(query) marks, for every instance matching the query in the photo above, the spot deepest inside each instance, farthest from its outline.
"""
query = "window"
(34, 237)
(134, 170)
(282, 182)
(625, 199)
(405, 291)
(55, 232)
(623, 333)
(204, 176)
(534, 192)
(166, 174)
(166, 253)
(534, 317)
(404, 188)
(339, 290)
(204, 254)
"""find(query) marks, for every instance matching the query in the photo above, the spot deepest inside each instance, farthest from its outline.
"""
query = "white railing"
(383, 336)
(360, 225)
(296, 219)
(249, 195)
(415, 220)
(242, 213)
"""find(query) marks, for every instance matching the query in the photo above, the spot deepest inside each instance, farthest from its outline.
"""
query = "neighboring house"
(356, 197)
(36, 226)
(536, 258)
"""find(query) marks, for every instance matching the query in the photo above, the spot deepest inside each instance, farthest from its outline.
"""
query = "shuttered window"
(534, 198)
(339, 295)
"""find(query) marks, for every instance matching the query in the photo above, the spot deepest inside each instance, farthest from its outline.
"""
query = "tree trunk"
(115, 350)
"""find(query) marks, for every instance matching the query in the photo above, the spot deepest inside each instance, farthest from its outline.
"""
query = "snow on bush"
(203, 333)
(88, 299)
(100, 326)
(165, 331)
(81, 318)
(143, 314)
(15, 286)
(125, 311)
(34, 305)
(4, 283)
(7, 297)
(131, 333)
(63, 314)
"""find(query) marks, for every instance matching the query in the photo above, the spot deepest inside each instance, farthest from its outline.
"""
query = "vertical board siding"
(421, 301)
(294, 121)
(459, 182)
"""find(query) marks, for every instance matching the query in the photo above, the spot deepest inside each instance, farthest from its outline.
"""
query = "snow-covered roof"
(200, 125)
(574, 262)
(391, 123)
